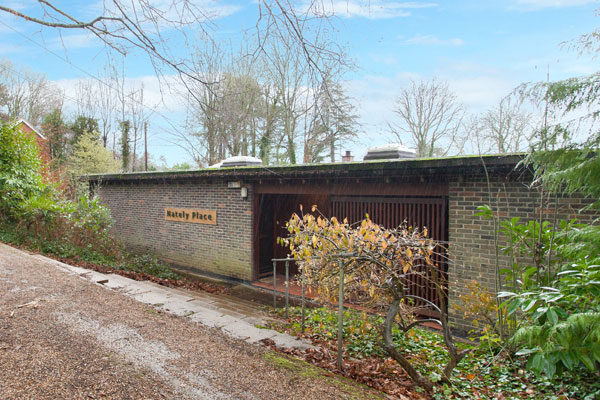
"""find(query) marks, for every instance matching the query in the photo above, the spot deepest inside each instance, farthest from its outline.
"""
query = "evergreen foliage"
(90, 157)
(565, 154)
(83, 125)
(125, 150)
(552, 287)
(553, 293)
(36, 207)
(40, 217)
(56, 131)
(20, 177)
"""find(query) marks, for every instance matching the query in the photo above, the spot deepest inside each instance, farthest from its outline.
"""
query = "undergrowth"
(68, 223)
(118, 258)
(482, 374)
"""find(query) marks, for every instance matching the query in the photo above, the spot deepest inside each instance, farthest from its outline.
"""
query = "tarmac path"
(64, 337)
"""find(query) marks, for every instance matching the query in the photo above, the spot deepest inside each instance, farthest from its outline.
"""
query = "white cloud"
(431, 40)
(478, 87)
(482, 92)
(74, 41)
(11, 49)
(17, 5)
(532, 5)
(580, 68)
(374, 9)
(158, 96)
(374, 97)
(562, 66)
(385, 59)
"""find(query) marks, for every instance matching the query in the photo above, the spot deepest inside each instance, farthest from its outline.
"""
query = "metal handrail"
(340, 333)
(287, 287)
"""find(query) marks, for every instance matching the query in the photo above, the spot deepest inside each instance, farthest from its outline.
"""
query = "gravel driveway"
(64, 337)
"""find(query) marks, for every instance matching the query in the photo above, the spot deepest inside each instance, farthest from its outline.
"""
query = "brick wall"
(224, 249)
(471, 237)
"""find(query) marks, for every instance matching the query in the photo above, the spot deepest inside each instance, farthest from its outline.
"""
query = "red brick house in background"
(40, 139)
(43, 146)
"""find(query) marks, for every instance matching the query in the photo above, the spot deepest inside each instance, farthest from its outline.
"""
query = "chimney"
(347, 157)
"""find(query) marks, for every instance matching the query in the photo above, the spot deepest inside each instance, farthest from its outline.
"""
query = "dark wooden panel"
(356, 188)
(419, 212)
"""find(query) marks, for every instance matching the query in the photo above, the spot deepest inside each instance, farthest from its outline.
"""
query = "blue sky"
(483, 49)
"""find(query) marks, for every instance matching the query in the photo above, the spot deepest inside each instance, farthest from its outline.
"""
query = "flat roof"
(463, 165)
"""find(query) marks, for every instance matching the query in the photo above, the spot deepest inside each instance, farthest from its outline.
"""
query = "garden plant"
(378, 265)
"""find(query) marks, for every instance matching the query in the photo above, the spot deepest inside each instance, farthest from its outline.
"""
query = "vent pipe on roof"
(240, 161)
(392, 151)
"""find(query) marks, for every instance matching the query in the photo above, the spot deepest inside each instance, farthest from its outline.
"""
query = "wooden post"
(146, 146)
(302, 325)
(274, 284)
(287, 289)
(340, 317)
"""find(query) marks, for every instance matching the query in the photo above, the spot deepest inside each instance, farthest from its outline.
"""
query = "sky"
(483, 49)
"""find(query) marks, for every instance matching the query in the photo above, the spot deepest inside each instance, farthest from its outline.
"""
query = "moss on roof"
(261, 171)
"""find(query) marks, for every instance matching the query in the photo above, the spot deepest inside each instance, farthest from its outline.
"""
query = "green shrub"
(43, 214)
(553, 293)
(479, 376)
(561, 326)
(39, 216)
(20, 164)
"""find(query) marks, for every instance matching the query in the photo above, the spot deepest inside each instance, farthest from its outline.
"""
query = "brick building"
(40, 139)
(43, 148)
(168, 213)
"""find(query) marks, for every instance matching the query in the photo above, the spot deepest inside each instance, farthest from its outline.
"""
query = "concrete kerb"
(204, 309)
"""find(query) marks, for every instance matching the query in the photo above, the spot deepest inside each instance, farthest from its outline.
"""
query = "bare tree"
(127, 25)
(151, 26)
(86, 99)
(239, 103)
(334, 121)
(472, 135)
(201, 135)
(271, 111)
(118, 89)
(106, 104)
(506, 127)
(121, 102)
(231, 115)
(290, 77)
(430, 115)
(238, 108)
(138, 116)
(25, 94)
(254, 104)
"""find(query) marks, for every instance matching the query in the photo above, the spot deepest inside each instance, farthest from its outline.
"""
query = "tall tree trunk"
(264, 147)
(332, 150)
(291, 150)
(134, 150)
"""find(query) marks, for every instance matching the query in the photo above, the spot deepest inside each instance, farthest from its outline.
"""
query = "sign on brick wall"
(191, 215)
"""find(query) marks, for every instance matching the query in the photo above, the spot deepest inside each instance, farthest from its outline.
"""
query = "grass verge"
(298, 367)
(118, 261)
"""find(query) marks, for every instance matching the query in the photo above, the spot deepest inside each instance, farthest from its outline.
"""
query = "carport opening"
(390, 211)
(274, 210)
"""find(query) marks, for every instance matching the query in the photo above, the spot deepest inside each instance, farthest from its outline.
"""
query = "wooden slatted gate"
(390, 212)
